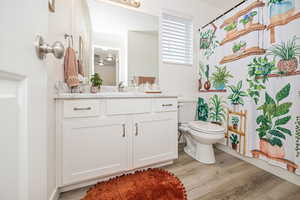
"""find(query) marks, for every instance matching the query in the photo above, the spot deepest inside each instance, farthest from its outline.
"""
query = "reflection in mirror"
(143, 56)
(134, 35)
(106, 63)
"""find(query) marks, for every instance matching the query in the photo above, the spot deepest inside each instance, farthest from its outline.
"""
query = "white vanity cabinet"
(154, 139)
(102, 137)
(92, 148)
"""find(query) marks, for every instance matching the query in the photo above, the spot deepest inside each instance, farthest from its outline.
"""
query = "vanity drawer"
(165, 105)
(81, 108)
(127, 106)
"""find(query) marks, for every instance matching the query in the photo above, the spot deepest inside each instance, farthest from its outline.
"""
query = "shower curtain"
(259, 44)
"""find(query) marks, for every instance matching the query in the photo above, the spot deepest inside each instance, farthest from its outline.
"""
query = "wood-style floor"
(228, 179)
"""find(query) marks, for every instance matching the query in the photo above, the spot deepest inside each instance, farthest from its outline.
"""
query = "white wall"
(142, 54)
(110, 19)
(71, 17)
(82, 26)
(107, 73)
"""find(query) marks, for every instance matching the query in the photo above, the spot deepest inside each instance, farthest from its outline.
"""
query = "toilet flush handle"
(136, 129)
(124, 130)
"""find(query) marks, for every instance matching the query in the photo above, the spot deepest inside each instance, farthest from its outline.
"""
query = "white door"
(155, 138)
(22, 101)
(93, 148)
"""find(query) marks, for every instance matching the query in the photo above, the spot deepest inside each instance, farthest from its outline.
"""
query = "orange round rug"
(152, 184)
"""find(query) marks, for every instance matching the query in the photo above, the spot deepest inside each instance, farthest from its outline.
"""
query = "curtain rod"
(223, 14)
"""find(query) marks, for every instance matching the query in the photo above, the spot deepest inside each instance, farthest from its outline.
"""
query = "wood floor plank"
(284, 191)
(228, 179)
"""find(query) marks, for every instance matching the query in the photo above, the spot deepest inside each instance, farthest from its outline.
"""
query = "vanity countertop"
(106, 95)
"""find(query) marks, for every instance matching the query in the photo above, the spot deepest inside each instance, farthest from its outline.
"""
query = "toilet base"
(203, 153)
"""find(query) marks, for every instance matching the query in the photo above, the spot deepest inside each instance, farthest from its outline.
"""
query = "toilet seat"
(206, 127)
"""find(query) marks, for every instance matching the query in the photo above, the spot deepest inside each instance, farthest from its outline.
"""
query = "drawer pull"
(124, 130)
(136, 129)
(167, 105)
(77, 109)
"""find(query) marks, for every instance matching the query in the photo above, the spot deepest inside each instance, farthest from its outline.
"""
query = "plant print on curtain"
(260, 44)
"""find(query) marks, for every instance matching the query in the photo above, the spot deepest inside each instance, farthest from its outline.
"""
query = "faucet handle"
(121, 84)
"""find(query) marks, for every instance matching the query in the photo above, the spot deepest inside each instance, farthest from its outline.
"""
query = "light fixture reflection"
(109, 58)
(100, 62)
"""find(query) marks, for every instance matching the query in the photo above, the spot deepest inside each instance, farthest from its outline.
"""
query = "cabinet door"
(155, 138)
(93, 148)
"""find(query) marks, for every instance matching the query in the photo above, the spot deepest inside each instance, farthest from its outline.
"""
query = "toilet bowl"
(200, 137)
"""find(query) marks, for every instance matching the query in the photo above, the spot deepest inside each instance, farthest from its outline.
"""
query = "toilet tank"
(187, 111)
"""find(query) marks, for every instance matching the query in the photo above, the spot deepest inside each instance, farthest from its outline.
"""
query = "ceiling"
(104, 53)
(223, 4)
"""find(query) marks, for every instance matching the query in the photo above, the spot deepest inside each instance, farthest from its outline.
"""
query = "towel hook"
(70, 40)
(42, 48)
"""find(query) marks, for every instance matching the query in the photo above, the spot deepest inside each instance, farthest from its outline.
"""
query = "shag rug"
(152, 184)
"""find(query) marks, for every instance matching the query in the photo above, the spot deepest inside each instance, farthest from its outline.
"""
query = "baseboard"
(277, 171)
(54, 195)
(100, 179)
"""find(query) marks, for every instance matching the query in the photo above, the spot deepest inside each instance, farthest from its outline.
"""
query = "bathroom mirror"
(130, 38)
(106, 63)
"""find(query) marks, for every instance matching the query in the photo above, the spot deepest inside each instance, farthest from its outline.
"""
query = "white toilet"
(200, 136)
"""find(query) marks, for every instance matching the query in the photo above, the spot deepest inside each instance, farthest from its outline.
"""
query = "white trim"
(54, 195)
(58, 134)
(24, 135)
(91, 182)
(277, 171)
(20, 82)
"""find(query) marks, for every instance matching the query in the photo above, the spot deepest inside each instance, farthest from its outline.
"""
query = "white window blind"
(177, 39)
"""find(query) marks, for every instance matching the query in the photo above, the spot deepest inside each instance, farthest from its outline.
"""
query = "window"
(177, 39)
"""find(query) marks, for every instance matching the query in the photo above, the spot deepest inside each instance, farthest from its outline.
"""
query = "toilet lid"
(206, 127)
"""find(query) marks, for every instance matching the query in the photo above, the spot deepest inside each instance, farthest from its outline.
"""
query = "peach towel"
(71, 68)
(80, 68)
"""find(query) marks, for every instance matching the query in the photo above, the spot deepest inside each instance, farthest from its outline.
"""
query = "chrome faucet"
(121, 86)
